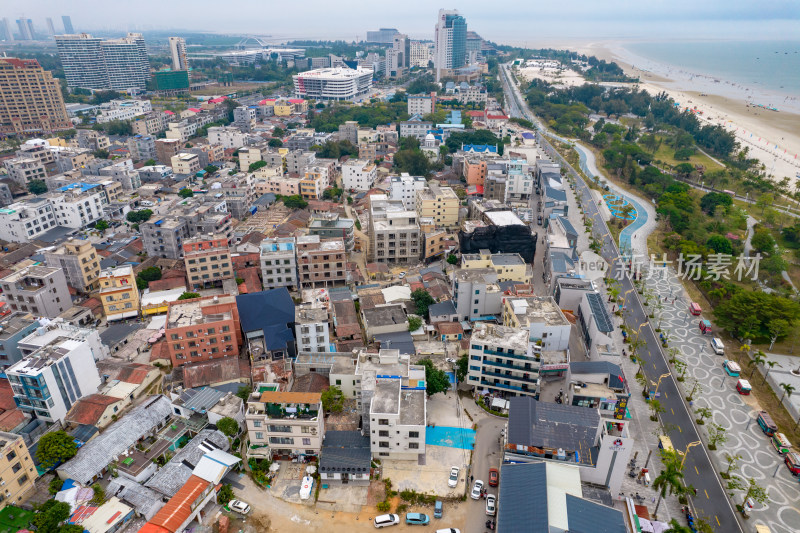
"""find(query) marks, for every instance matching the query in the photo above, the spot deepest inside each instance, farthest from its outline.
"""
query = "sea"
(768, 70)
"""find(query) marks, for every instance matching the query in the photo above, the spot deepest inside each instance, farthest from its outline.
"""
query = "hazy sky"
(523, 22)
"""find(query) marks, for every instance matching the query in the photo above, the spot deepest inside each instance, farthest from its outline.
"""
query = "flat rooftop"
(412, 408)
(43, 357)
(386, 399)
(32, 273)
(515, 338)
(504, 218)
(189, 312)
(305, 315)
(537, 310)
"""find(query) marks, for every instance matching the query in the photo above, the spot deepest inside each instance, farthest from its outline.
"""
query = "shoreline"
(771, 137)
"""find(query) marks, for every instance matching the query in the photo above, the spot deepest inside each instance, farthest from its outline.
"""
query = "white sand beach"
(558, 77)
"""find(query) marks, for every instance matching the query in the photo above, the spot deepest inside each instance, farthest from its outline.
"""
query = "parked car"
(477, 490)
(491, 504)
(402, 275)
(417, 519)
(449, 530)
(453, 480)
(386, 520)
(717, 346)
(450, 360)
(438, 507)
(238, 506)
(494, 477)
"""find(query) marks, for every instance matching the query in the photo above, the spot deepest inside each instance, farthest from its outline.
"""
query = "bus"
(695, 309)
(665, 443)
(766, 424)
(781, 443)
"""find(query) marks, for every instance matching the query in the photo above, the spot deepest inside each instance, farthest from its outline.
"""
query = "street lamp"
(685, 453)
(662, 376)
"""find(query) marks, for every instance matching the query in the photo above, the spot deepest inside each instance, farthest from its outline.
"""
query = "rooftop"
(290, 397)
(336, 73)
(514, 338)
(504, 218)
(183, 313)
(306, 315)
(412, 408)
(345, 451)
(386, 399)
(385, 315)
(537, 310)
(30, 276)
(172, 476)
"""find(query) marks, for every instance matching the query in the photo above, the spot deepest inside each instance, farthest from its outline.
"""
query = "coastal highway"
(711, 502)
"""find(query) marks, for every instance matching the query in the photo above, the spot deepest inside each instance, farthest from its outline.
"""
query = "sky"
(513, 22)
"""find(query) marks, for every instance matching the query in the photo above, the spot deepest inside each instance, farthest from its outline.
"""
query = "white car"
(449, 530)
(491, 504)
(402, 275)
(477, 490)
(453, 480)
(386, 520)
(451, 360)
(238, 506)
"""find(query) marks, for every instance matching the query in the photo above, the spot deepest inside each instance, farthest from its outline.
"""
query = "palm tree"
(787, 389)
(758, 359)
(675, 527)
(771, 365)
(670, 479)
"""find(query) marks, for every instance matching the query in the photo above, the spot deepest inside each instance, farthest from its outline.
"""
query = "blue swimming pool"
(452, 377)
(452, 437)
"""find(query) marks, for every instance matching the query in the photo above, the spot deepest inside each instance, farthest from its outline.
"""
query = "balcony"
(511, 367)
(519, 357)
(498, 375)
(503, 386)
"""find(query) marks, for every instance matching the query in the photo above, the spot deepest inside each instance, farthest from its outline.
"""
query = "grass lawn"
(667, 155)
(13, 519)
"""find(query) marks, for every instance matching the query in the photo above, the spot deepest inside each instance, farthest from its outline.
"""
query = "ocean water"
(768, 66)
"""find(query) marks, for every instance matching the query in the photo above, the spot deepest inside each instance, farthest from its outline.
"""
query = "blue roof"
(78, 185)
(270, 311)
(568, 227)
(556, 194)
(528, 135)
(479, 148)
(584, 516)
(523, 492)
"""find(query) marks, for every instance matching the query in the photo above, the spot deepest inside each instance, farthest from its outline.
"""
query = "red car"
(494, 477)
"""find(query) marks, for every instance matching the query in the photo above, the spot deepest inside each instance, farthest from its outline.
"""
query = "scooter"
(490, 524)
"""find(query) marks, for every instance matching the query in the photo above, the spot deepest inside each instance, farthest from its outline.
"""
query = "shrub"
(383, 506)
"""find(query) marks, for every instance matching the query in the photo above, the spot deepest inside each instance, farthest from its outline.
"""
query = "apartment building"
(415, 127)
(421, 104)
(119, 293)
(501, 363)
(166, 149)
(79, 261)
(17, 469)
(185, 163)
(14, 326)
(334, 226)
(78, 205)
(123, 110)
(358, 175)
(22, 170)
(25, 221)
(208, 260)
(394, 231)
(39, 290)
(93, 63)
(313, 184)
(321, 263)
(477, 293)
(421, 54)
(509, 267)
(177, 51)
(164, 237)
(475, 171)
(312, 329)
(30, 99)
(227, 136)
(440, 204)
(150, 124)
(142, 147)
(404, 189)
(333, 83)
(284, 424)
(50, 380)
(279, 263)
(244, 118)
(549, 328)
(202, 329)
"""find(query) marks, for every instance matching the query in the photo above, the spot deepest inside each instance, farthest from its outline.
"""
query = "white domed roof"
(430, 137)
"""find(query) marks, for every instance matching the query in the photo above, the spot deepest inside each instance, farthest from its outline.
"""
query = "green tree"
(778, 328)
(101, 225)
(684, 169)
(414, 323)
(436, 380)
(332, 193)
(752, 488)
(255, 166)
(186, 192)
(210, 169)
(787, 391)
(763, 241)
(50, 515)
(150, 163)
(716, 435)
(150, 274)
(703, 413)
(243, 392)
(37, 187)
(462, 368)
(415, 162)
(189, 296)
(764, 201)
(99, 494)
(452, 259)
(655, 409)
(333, 399)
(732, 461)
(422, 300)
(759, 358)
(278, 132)
(228, 426)
(140, 216)
(102, 153)
(670, 479)
(54, 448)
(676, 527)
(55, 485)
(295, 202)
(275, 143)
(720, 244)
(225, 495)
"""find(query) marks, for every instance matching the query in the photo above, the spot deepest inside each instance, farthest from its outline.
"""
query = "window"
(306, 442)
(383, 433)
(16, 468)
(413, 446)
(23, 478)
(338, 381)
(413, 434)
(11, 455)
(256, 423)
(383, 444)
(259, 435)
(383, 422)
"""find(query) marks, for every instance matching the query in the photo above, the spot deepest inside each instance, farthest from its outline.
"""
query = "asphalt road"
(485, 455)
(711, 501)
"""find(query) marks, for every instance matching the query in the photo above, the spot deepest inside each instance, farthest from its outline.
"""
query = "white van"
(146, 203)
(386, 520)
(717, 346)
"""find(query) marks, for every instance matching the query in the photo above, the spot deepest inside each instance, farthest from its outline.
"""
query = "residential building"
(23, 170)
(185, 163)
(495, 188)
(569, 291)
(321, 263)
(394, 231)
(358, 175)
(202, 328)
(398, 56)
(15, 326)
(150, 124)
(349, 132)
(227, 136)
(598, 385)
(415, 127)
(17, 469)
(30, 99)
(171, 82)
(313, 184)
(545, 432)
(508, 266)
(142, 147)
(166, 149)
(268, 324)
(450, 42)
(50, 380)
(279, 263)
(421, 54)
(333, 226)
(404, 189)
(421, 104)
(477, 293)
(119, 293)
(244, 118)
(207, 260)
(312, 329)
(177, 51)
(165, 237)
(93, 63)
(67, 20)
(25, 221)
(501, 362)
(549, 328)
(397, 419)
(595, 325)
(39, 290)
(345, 458)
(382, 36)
(333, 83)
(438, 203)
(123, 110)
(285, 424)
(78, 204)
(475, 171)
(79, 261)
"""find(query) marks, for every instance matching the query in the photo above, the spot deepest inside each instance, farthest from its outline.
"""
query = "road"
(711, 502)
(486, 455)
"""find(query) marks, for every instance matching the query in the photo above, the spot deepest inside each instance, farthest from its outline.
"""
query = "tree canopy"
(333, 399)
(137, 217)
(422, 300)
(295, 202)
(436, 380)
(54, 448)
(37, 187)
(189, 296)
(228, 426)
(186, 192)
(749, 313)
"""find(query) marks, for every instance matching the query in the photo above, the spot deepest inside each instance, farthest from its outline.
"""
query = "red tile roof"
(89, 409)
(449, 328)
(215, 371)
(134, 373)
(178, 509)
(252, 282)
(11, 419)
(159, 351)
(166, 284)
(92, 303)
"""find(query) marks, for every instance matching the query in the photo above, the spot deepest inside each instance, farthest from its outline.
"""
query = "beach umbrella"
(311, 469)
(274, 467)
